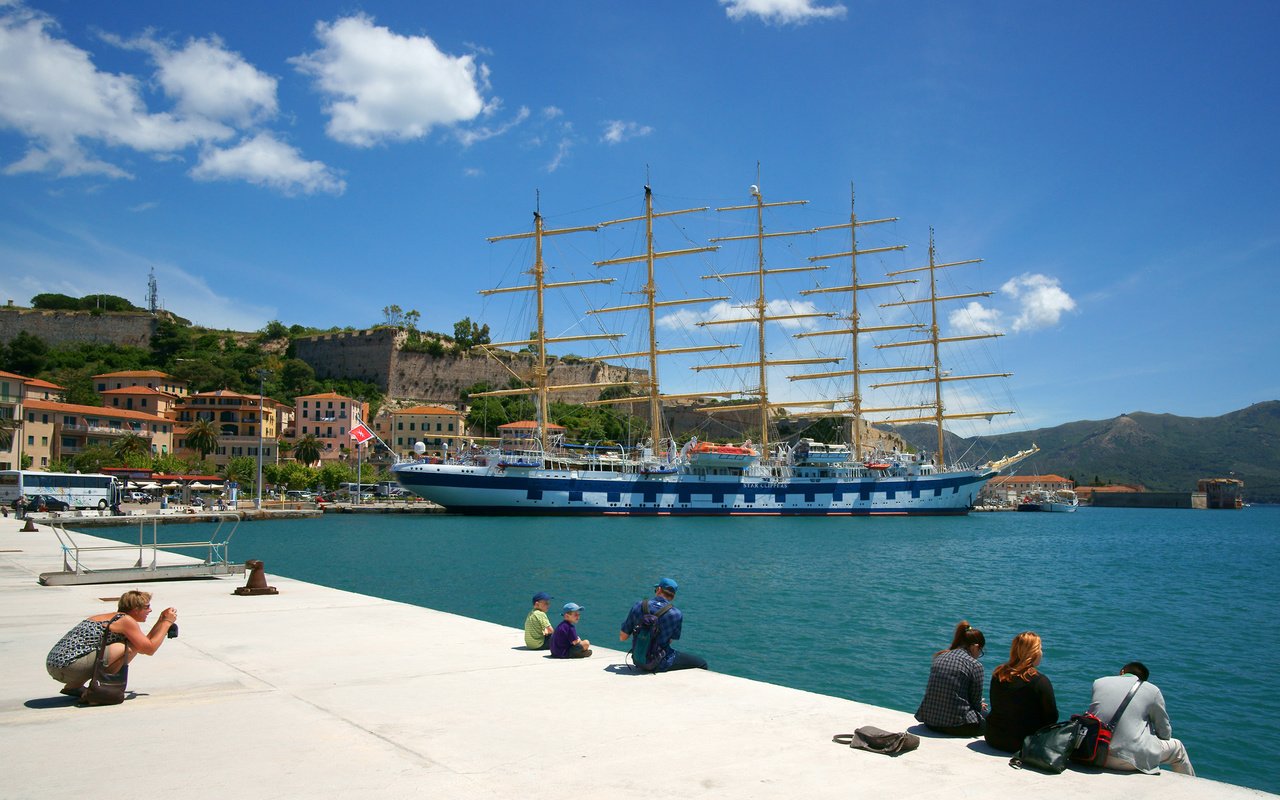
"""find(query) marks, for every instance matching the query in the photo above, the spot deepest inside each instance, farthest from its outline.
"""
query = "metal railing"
(147, 567)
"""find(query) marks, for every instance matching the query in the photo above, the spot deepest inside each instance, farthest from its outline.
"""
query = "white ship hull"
(466, 488)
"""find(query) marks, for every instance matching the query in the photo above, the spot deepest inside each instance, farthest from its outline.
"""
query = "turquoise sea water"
(856, 607)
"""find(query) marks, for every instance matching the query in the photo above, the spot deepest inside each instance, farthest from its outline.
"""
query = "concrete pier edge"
(317, 692)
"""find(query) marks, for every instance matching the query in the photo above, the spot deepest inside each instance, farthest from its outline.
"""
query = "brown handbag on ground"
(106, 688)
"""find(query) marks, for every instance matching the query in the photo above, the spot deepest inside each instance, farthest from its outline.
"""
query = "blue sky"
(1113, 164)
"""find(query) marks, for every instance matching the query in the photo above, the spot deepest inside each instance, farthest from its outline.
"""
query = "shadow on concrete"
(61, 701)
(922, 730)
(528, 649)
(626, 670)
(981, 746)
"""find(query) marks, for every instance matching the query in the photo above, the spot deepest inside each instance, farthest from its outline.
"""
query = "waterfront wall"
(1142, 500)
(125, 329)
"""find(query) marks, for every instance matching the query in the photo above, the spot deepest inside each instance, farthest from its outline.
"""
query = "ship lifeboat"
(877, 465)
(707, 454)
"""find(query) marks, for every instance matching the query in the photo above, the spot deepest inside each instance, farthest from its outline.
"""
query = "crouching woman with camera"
(71, 660)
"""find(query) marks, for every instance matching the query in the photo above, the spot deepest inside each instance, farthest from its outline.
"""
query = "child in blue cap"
(565, 642)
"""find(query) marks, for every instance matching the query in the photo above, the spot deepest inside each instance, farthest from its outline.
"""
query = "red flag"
(361, 434)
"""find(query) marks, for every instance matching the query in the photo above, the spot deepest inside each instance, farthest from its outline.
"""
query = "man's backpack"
(645, 653)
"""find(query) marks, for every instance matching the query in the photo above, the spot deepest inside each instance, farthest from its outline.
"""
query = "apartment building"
(12, 390)
(431, 425)
(53, 430)
(329, 417)
(147, 378)
(141, 398)
(240, 420)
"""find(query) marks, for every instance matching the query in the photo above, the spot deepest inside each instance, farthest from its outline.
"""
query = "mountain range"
(1161, 452)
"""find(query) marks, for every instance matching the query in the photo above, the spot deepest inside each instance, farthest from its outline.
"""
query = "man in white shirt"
(1143, 738)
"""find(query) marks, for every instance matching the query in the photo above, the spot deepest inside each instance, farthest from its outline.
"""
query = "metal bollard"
(257, 582)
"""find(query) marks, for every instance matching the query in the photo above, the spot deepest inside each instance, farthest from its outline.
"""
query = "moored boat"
(1060, 501)
(656, 477)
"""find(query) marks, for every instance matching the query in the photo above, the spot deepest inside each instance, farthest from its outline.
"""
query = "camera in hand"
(173, 630)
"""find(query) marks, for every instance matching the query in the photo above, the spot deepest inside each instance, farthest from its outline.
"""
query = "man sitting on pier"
(665, 627)
(1143, 738)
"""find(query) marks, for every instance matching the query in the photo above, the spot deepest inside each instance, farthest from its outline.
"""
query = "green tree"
(131, 444)
(167, 464)
(297, 377)
(9, 427)
(106, 302)
(468, 334)
(78, 383)
(202, 437)
(307, 449)
(333, 475)
(26, 355)
(297, 476)
(274, 329)
(55, 302)
(26, 461)
(93, 458)
(242, 470)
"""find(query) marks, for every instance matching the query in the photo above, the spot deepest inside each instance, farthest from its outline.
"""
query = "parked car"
(137, 497)
(36, 502)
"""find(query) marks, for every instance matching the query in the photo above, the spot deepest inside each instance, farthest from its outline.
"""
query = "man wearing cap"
(667, 628)
(537, 628)
(565, 642)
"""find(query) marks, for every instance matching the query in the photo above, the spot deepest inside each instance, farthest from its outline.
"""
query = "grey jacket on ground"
(1144, 721)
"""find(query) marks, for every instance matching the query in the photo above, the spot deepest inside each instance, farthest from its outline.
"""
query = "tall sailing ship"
(546, 475)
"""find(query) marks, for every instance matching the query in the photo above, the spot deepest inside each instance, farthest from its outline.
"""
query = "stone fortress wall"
(373, 356)
(130, 329)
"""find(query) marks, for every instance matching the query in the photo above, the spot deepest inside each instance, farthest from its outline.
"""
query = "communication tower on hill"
(153, 295)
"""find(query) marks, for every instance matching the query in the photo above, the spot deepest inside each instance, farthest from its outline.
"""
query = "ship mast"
(651, 306)
(541, 385)
(935, 339)
(761, 315)
(855, 328)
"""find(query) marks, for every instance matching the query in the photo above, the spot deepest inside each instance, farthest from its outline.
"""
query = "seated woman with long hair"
(1022, 700)
(952, 701)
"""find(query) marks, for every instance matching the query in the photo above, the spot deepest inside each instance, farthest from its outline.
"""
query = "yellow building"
(52, 431)
(431, 425)
(148, 378)
(239, 418)
(140, 398)
(329, 417)
(12, 390)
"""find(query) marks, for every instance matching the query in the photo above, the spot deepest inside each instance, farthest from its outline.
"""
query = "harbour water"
(856, 607)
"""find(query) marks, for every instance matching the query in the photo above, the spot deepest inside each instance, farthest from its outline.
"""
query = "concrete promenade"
(321, 693)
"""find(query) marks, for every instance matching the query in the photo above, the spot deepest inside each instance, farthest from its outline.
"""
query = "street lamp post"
(257, 500)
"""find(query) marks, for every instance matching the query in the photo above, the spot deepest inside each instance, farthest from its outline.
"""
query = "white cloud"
(469, 136)
(782, 12)
(562, 152)
(206, 79)
(616, 131)
(1042, 301)
(265, 161)
(551, 112)
(974, 318)
(688, 319)
(380, 85)
(51, 93)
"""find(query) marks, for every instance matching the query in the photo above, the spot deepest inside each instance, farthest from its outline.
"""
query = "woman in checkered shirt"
(952, 701)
